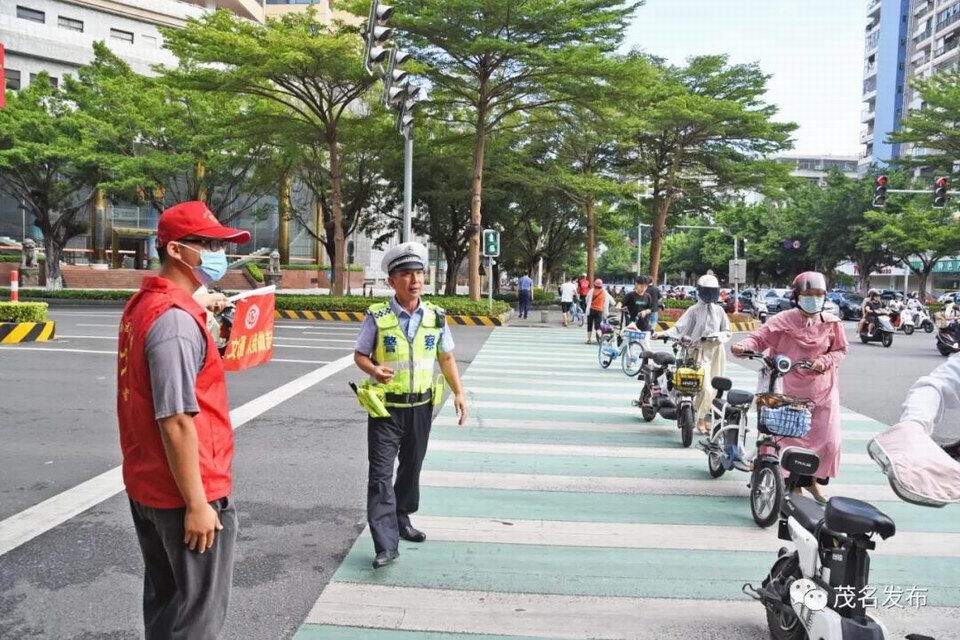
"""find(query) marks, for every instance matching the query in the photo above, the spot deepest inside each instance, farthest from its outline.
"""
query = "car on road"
(947, 295)
(850, 305)
(776, 299)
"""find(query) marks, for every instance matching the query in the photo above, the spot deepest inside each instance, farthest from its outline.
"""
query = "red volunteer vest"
(146, 472)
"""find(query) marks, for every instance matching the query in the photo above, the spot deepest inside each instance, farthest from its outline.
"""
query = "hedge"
(23, 311)
(254, 272)
(15, 257)
(459, 305)
(452, 305)
(677, 304)
(540, 296)
(299, 266)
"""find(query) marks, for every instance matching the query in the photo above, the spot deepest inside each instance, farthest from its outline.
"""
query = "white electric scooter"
(802, 593)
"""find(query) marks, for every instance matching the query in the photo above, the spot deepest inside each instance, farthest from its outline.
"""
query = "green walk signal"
(491, 243)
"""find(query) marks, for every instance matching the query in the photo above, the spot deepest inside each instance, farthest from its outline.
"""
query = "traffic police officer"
(399, 343)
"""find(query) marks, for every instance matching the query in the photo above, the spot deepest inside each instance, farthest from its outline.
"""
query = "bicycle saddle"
(663, 359)
(855, 517)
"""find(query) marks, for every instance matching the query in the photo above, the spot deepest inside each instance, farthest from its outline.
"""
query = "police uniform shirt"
(367, 339)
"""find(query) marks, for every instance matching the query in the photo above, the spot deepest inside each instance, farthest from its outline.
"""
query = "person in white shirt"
(568, 293)
(920, 470)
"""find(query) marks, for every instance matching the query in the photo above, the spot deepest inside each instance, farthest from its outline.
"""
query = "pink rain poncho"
(818, 339)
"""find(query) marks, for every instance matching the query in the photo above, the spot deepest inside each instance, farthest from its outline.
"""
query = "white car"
(943, 299)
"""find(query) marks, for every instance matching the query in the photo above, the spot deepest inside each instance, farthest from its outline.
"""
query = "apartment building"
(817, 168)
(905, 39)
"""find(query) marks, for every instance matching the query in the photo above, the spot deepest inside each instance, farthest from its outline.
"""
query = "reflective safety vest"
(411, 360)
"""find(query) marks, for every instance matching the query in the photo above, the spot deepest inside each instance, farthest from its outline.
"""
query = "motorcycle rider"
(702, 319)
(871, 306)
(920, 470)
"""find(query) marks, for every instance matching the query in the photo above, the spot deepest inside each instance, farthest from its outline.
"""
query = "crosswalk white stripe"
(572, 616)
(734, 485)
(656, 536)
(642, 453)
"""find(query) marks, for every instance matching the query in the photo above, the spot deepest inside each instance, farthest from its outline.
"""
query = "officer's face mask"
(212, 267)
(811, 304)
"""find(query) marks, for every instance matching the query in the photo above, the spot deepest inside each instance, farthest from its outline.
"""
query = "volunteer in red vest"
(175, 431)
(583, 288)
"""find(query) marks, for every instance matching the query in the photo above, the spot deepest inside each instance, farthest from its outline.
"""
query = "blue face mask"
(212, 267)
(811, 304)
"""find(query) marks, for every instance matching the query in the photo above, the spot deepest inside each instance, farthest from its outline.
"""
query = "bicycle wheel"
(632, 358)
(606, 352)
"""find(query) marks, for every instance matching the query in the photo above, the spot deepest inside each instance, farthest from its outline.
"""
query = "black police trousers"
(390, 502)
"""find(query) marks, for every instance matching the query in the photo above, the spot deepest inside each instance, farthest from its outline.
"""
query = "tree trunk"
(53, 253)
(591, 237)
(283, 222)
(339, 242)
(656, 236)
(476, 188)
(453, 267)
(199, 184)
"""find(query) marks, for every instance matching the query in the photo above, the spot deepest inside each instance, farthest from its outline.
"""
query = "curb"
(17, 332)
(357, 316)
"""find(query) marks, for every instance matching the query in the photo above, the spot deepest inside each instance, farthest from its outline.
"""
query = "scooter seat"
(739, 398)
(721, 384)
(663, 358)
(649, 355)
(855, 517)
(806, 511)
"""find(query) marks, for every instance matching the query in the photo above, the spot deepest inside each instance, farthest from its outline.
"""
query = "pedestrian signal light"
(940, 192)
(880, 191)
(491, 243)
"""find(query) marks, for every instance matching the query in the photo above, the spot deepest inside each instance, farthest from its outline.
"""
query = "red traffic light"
(940, 183)
(881, 181)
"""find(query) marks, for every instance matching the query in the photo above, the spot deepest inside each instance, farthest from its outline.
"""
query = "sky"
(812, 48)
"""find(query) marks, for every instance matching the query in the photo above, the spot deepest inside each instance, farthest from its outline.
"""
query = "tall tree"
(489, 61)
(48, 163)
(705, 133)
(314, 72)
(933, 127)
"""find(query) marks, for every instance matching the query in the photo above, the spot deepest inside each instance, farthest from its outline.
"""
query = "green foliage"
(933, 127)
(298, 266)
(15, 257)
(70, 294)
(678, 304)
(255, 272)
(457, 305)
(23, 311)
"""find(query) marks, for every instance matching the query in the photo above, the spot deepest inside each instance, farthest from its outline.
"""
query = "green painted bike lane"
(559, 513)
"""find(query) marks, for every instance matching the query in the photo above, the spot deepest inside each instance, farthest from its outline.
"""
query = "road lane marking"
(651, 486)
(112, 353)
(40, 518)
(110, 326)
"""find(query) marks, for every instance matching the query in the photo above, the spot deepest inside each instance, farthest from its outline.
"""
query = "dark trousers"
(523, 298)
(403, 435)
(185, 593)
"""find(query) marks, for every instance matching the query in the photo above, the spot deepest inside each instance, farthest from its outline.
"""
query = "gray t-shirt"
(176, 349)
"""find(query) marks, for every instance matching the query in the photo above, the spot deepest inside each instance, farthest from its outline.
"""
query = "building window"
(31, 14)
(150, 41)
(125, 36)
(70, 23)
(13, 79)
(53, 80)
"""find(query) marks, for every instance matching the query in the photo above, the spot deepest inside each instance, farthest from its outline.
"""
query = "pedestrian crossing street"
(558, 513)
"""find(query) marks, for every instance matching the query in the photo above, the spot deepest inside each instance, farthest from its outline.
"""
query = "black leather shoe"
(408, 533)
(384, 558)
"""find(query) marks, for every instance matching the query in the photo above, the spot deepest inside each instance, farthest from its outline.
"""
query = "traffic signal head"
(940, 192)
(491, 243)
(880, 191)
(376, 34)
(394, 78)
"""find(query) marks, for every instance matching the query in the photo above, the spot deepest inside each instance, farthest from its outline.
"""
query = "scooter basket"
(688, 380)
(784, 416)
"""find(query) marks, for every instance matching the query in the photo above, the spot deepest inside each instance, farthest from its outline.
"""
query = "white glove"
(918, 469)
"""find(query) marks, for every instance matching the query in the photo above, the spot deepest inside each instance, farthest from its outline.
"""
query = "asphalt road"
(299, 471)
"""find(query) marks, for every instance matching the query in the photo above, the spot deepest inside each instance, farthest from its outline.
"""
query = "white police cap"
(409, 255)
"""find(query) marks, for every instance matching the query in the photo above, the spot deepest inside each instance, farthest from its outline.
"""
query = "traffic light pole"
(407, 181)
(490, 284)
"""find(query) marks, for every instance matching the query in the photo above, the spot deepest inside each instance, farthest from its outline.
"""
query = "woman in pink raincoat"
(806, 333)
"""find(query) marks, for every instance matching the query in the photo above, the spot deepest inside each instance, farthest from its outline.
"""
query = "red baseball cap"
(194, 219)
